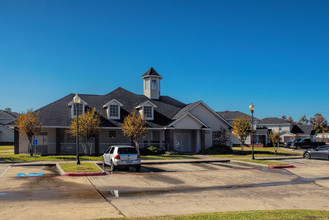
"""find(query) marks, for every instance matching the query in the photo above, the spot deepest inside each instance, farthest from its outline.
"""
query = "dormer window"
(146, 109)
(113, 109)
(148, 112)
(78, 108)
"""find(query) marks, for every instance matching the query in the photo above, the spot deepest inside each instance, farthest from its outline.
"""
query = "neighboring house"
(322, 137)
(288, 131)
(259, 135)
(171, 124)
(6, 133)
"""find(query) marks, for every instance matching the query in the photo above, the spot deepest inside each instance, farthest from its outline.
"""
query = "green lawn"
(265, 162)
(7, 155)
(84, 167)
(258, 152)
(247, 215)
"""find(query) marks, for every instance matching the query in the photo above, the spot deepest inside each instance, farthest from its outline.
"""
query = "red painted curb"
(280, 166)
(85, 174)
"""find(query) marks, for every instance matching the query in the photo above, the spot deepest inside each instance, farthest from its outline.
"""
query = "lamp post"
(76, 101)
(252, 108)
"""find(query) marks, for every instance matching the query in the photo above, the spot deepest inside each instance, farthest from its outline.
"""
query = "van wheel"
(113, 167)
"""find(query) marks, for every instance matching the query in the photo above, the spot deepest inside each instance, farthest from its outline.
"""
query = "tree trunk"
(30, 148)
(137, 146)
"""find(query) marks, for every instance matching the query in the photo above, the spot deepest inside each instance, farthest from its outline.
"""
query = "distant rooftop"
(274, 120)
(232, 115)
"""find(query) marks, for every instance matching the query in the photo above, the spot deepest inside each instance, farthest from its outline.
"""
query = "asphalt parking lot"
(163, 189)
(180, 167)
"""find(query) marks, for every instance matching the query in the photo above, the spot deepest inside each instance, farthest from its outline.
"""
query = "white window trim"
(72, 110)
(152, 112)
(72, 105)
(108, 112)
(140, 107)
(107, 106)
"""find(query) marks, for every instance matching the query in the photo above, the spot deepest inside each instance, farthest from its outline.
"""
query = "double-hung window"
(114, 111)
(148, 112)
(77, 109)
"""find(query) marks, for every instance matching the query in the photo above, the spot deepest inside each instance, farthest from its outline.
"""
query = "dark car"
(289, 143)
(306, 143)
(321, 152)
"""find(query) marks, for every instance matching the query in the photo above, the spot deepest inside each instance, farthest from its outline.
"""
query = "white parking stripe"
(5, 171)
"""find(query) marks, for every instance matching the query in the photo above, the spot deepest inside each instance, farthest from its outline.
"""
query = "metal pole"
(77, 138)
(252, 134)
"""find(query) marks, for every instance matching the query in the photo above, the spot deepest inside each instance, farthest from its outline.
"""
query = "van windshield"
(127, 150)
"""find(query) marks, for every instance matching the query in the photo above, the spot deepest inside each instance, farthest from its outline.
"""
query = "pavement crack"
(100, 193)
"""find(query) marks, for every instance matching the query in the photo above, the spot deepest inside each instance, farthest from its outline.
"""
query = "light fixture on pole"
(252, 109)
(76, 101)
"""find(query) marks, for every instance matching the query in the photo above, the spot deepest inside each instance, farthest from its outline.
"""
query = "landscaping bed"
(83, 169)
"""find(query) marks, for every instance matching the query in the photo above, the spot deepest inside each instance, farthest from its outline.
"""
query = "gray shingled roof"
(274, 120)
(230, 116)
(307, 129)
(184, 110)
(8, 115)
(58, 113)
(151, 72)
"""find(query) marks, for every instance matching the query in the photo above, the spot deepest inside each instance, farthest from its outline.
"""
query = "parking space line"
(5, 171)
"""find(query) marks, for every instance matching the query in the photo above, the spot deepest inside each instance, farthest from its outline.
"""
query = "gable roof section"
(307, 129)
(111, 102)
(4, 115)
(188, 114)
(190, 106)
(274, 120)
(145, 103)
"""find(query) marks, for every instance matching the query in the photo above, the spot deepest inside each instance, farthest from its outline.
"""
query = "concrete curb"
(267, 166)
(250, 163)
(63, 173)
(280, 166)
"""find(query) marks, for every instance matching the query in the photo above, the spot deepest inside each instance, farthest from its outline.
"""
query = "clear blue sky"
(226, 53)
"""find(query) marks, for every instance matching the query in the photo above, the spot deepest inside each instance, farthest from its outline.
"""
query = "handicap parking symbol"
(28, 174)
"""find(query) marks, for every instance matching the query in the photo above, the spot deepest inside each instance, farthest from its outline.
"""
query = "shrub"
(169, 153)
(220, 149)
(152, 150)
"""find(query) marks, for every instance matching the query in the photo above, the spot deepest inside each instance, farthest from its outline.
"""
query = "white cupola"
(151, 84)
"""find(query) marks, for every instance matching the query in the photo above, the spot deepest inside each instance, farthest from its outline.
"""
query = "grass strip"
(81, 168)
(259, 152)
(265, 162)
(246, 215)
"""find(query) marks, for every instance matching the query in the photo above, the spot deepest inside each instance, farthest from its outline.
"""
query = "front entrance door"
(182, 142)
